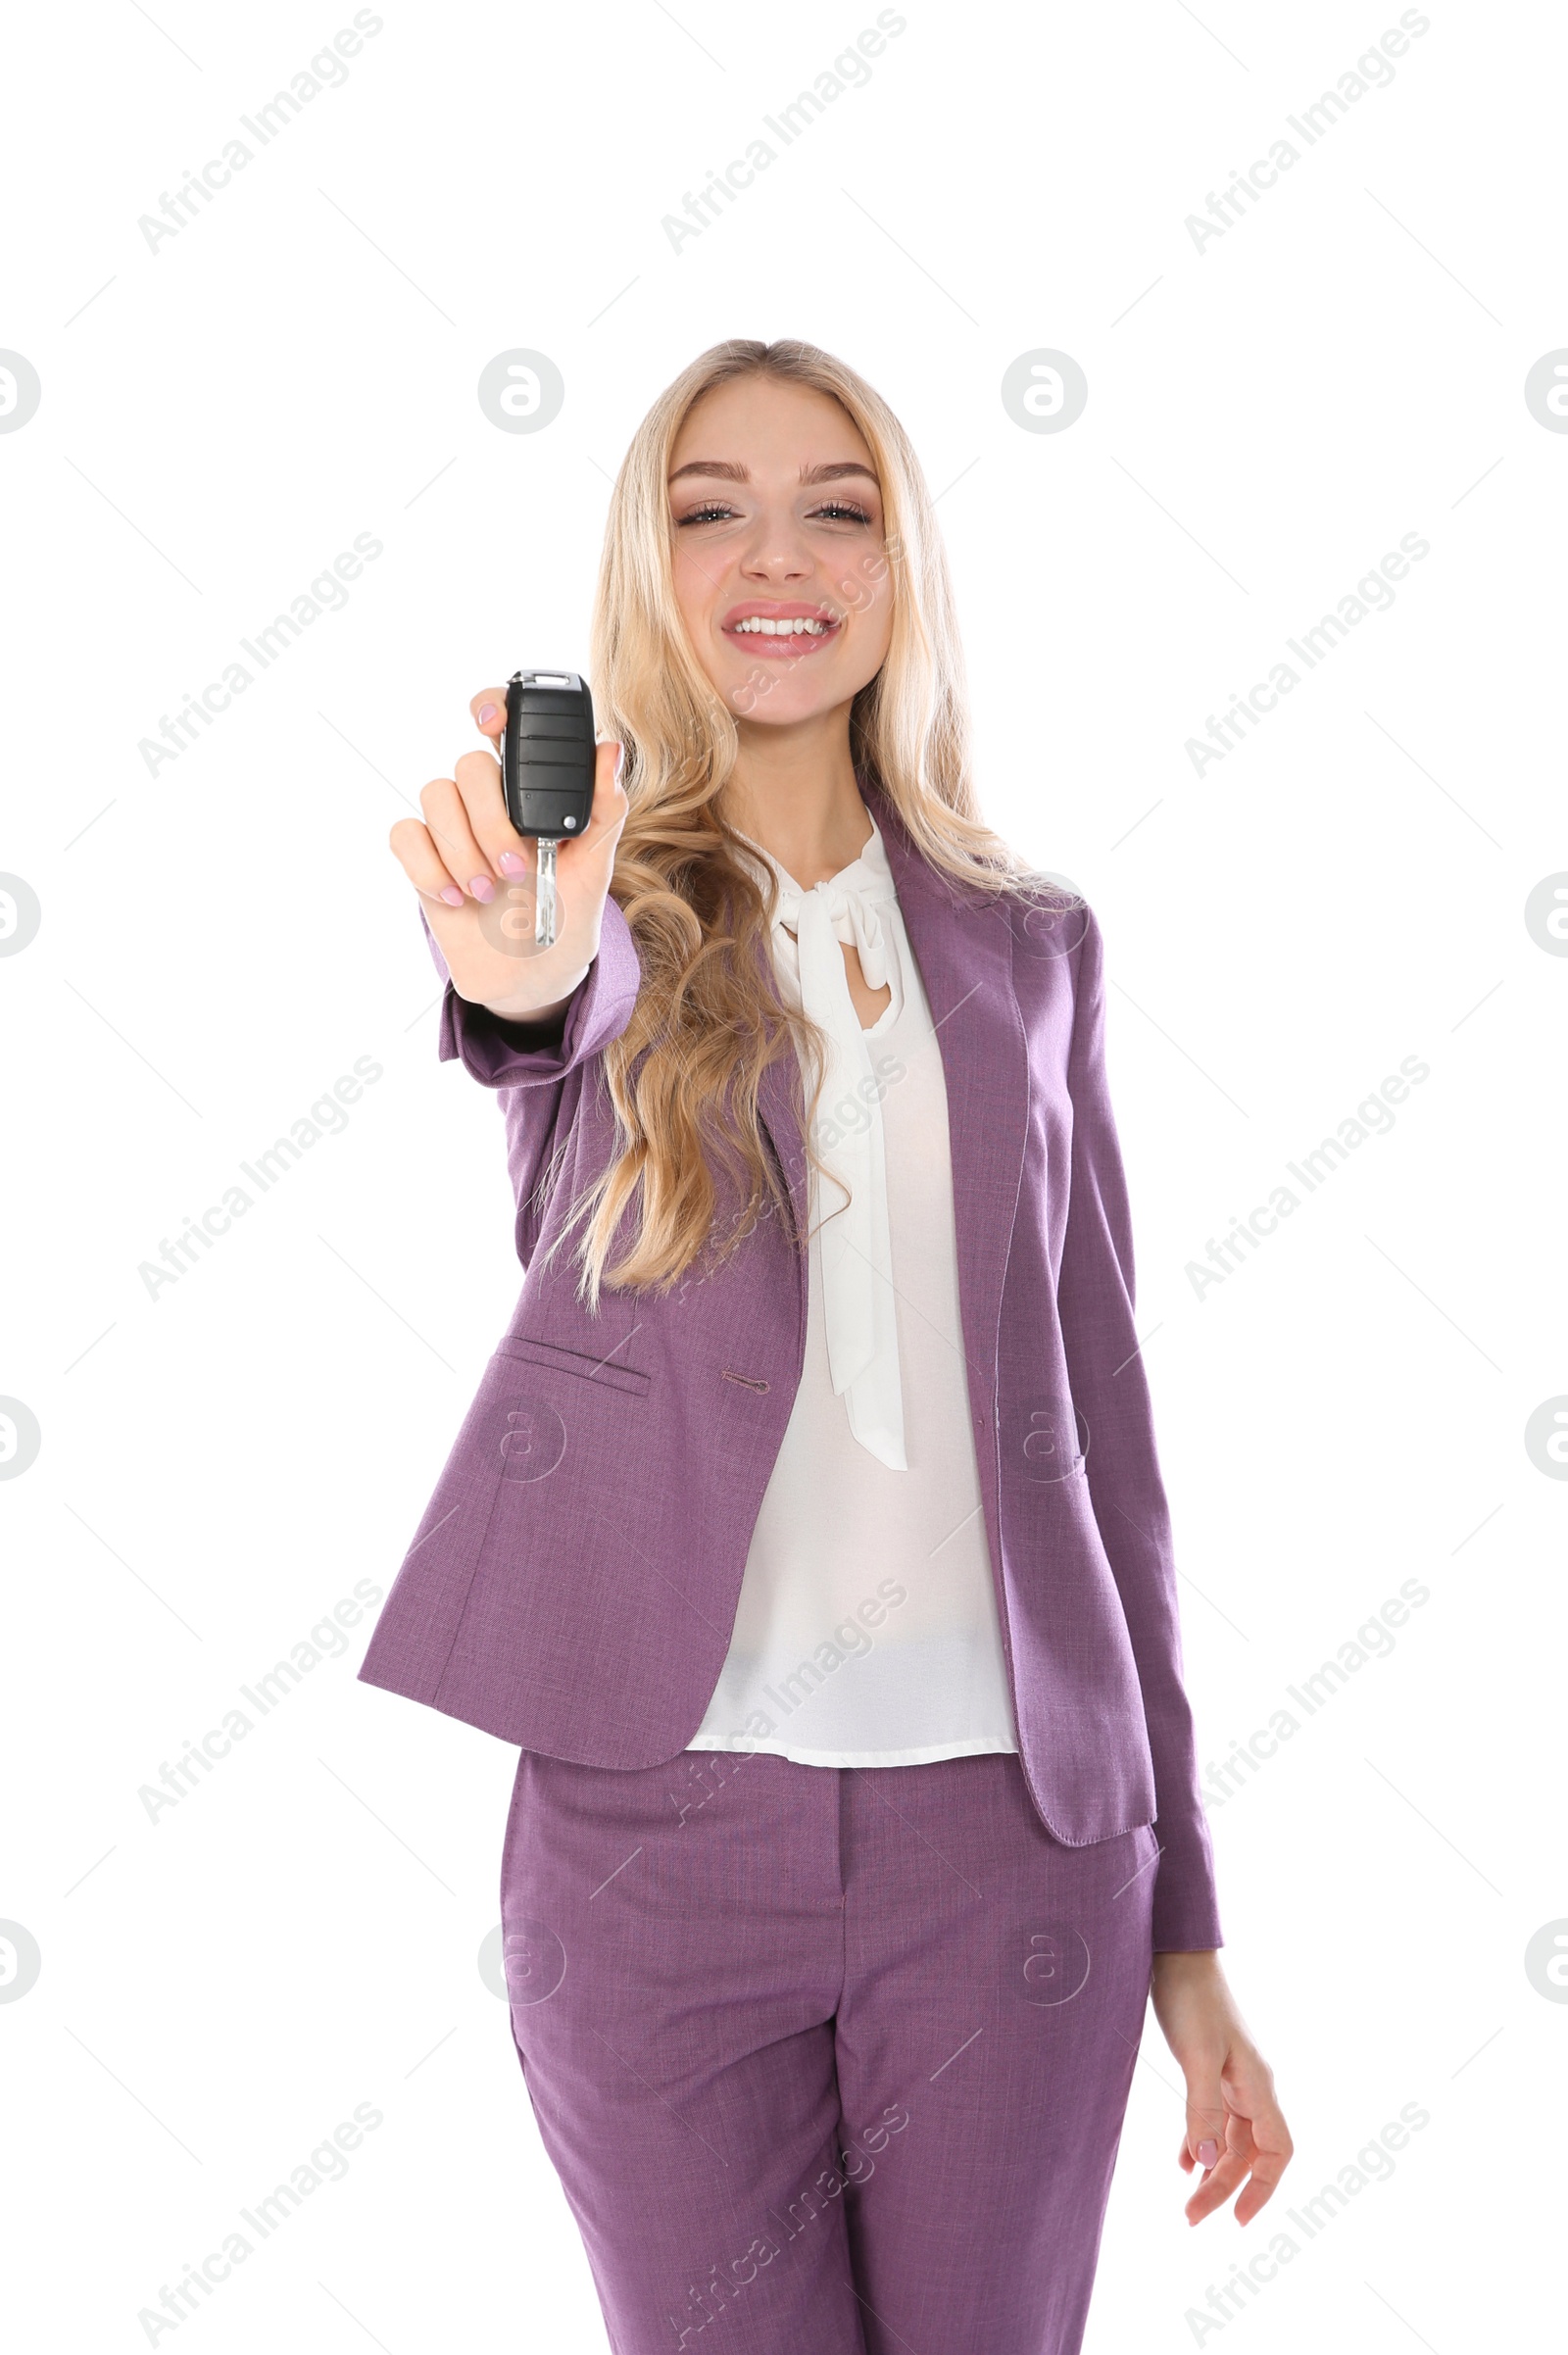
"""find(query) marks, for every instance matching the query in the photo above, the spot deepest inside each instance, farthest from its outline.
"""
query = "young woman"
(807, 1530)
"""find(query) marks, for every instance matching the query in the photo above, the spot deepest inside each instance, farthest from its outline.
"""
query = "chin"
(775, 699)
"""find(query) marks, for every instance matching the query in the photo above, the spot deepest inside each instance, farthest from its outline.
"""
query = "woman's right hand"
(475, 878)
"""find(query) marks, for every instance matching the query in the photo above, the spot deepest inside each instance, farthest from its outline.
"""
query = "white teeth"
(760, 625)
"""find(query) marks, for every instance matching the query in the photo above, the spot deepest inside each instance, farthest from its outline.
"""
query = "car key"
(547, 769)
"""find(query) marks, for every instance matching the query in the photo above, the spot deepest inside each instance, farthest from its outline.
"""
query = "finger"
(1261, 2187)
(414, 848)
(448, 820)
(489, 708)
(1272, 2153)
(479, 781)
(1207, 2115)
(1228, 2174)
(1258, 2142)
(608, 812)
(586, 865)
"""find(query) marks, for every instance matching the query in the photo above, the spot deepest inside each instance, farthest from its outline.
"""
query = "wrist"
(526, 1010)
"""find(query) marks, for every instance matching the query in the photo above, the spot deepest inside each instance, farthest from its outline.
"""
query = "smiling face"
(777, 546)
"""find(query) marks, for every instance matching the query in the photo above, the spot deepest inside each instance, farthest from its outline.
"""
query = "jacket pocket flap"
(605, 1370)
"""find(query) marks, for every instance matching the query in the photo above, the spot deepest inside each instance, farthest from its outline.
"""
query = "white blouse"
(866, 1632)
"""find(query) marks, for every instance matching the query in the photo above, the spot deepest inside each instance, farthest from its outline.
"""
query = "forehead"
(763, 423)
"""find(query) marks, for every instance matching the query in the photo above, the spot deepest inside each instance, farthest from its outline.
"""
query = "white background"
(220, 941)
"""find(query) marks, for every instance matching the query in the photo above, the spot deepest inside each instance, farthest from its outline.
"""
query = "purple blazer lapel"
(779, 1107)
(963, 946)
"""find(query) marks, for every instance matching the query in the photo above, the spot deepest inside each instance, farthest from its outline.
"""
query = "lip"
(793, 649)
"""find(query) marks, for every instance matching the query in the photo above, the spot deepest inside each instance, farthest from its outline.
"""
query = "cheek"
(881, 619)
(864, 587)
(696, 590)
(871, 628)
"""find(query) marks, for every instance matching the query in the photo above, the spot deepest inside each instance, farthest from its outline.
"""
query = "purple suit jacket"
(573, 1584)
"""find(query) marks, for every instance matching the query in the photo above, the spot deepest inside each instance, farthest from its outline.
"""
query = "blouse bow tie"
(853, 1241)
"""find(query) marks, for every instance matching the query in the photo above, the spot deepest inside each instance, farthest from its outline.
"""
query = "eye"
(711, 511)
(844, 510)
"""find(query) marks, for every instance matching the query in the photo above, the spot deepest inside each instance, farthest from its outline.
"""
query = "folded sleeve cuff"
(1186, 1909)
(597, 1012)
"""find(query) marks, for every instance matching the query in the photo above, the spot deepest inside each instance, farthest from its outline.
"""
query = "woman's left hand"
(1236, 2131)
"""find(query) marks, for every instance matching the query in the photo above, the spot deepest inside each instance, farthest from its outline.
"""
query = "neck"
(792, 790)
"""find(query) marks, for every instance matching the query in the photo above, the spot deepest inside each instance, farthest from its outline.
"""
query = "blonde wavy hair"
(683, 1076)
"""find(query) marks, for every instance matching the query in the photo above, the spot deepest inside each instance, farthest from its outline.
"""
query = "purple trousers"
(830, 2061)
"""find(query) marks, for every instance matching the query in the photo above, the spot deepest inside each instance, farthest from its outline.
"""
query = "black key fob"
(547, 755)
(547, 772)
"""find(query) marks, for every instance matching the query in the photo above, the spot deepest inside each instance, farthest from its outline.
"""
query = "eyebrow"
(732, 472)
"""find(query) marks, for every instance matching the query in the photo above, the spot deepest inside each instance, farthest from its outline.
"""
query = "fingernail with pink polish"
(511, 865)
(452, 896)
(1207, 2152)
(487, 712)
(482, 889)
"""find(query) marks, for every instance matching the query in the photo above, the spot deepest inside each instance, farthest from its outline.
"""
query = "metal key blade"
(544, 922)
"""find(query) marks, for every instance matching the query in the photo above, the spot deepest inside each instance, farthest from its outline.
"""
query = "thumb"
(597, 847)
(1205, 2120)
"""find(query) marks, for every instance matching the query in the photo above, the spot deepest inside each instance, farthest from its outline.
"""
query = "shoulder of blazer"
(1046, 919)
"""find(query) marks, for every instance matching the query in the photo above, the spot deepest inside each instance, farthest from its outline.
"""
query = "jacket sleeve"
(1105, 1370)
(538, 1075)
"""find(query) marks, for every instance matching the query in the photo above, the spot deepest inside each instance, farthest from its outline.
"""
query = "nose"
(776, 551)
